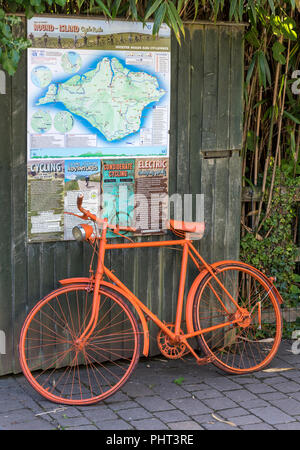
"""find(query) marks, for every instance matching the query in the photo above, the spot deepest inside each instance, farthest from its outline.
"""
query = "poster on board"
(45, 200)
(117, 192)
(151, 194)
(81, 177)
(98, 95)
(97, 89)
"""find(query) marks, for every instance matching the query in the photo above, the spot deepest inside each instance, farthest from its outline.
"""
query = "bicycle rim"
(61, 370)
(251, 343)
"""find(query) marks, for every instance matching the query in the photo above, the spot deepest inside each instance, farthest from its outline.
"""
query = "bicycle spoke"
(239, 347)
(67, 369)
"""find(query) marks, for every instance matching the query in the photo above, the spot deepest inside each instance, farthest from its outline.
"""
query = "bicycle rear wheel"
(61, 370)
(249, 344)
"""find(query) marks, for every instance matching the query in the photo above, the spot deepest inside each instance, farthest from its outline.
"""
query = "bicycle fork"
(81, 340)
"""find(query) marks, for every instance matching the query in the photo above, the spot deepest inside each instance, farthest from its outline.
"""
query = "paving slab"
(174, 395)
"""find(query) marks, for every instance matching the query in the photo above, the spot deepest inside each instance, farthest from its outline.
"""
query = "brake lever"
(122, 235)
(83, 217)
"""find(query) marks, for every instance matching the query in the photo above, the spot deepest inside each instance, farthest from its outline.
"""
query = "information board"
(98, 102)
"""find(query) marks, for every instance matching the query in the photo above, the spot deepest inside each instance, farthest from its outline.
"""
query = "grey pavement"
(170, 395)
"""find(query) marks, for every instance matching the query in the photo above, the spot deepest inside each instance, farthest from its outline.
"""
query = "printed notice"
(45, 197)
(118, 192)
(93, 85)
(151, 189)
(81, 177)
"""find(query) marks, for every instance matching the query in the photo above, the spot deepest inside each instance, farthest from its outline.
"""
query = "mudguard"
(86, 280)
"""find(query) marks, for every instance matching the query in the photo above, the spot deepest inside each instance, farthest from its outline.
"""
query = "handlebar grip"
(79, 201)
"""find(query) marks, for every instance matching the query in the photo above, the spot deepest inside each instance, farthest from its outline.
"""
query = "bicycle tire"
(248, 345)
(53, 363)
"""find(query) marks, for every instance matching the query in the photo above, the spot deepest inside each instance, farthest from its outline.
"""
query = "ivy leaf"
(61, 3)
(36, 3)
(252, 37)
(278, 48)
(288, 26)
(284, 27)
(8, 64)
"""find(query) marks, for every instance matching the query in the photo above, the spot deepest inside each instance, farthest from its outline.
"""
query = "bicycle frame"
(188, 250)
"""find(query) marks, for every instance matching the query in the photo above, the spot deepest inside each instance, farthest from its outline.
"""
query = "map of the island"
(110, 97)
(63, 122)
(41, 121)
(71, 62)
(41, 76)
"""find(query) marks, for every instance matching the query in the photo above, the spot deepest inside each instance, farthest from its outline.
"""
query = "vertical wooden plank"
(5, 242)
(183, 115)
(210, 89)
(207, 188)
(75, 258)
(197, 79)
(223, 112)
(47, 280)
(173, 116)
(233, 213)
(19, 205)
(220, 201)
(61, 260)
(236, 85)
(33, 275)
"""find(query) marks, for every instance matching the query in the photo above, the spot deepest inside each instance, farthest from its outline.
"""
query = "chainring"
(169, 348)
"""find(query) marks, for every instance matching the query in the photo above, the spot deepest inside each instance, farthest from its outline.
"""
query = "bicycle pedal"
(205, 360)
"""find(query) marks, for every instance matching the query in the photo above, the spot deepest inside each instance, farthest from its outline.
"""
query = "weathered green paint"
(206, 117)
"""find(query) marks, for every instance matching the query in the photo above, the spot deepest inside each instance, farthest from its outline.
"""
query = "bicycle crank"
(169, 348)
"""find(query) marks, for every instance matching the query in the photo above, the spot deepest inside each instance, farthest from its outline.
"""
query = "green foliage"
(272, 111)
(11, 45)
(266, 13)
(275, 254)
(178, 381)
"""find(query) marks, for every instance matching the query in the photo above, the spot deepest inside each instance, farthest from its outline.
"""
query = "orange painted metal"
(269, 281)
(188, 251)
(172, 342)
(91, 281)
(181, 290)
(146, 244)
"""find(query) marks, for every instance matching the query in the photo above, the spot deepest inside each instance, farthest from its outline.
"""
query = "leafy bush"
(273, 250)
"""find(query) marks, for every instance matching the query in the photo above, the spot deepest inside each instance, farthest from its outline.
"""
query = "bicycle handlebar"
(88, 215)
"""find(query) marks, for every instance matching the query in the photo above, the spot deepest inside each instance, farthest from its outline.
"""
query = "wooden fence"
(205, 141)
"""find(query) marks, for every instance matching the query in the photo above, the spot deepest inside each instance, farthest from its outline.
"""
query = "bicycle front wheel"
(65, 372)
(251, 341)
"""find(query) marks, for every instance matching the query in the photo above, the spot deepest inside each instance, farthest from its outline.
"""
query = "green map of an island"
(110, 97)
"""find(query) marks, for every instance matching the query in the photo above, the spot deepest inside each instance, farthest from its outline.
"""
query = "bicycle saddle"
(193, 228)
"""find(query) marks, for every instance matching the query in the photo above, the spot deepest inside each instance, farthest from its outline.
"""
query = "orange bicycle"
(81, 342)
